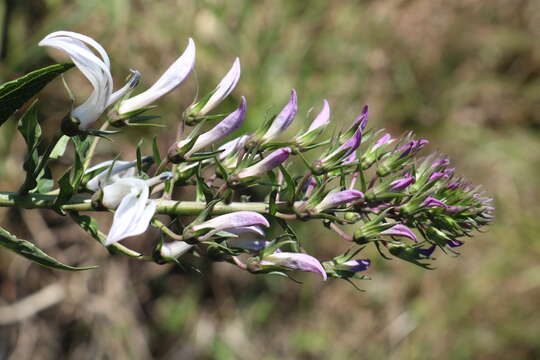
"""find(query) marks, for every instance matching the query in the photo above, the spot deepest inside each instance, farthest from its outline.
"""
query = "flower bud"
(293, 261)
(316, 127)
(335, 199)
(268, 163)
(229, 221)
(283, 119)
(402, 183)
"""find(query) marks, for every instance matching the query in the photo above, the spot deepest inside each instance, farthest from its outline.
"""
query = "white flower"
(134, 209)
(175, 74)
(95, 68)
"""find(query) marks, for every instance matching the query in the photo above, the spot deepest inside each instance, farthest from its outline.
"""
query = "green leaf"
(16, 93)
(155, 151)
(60, 147)
(31, 131)
(33, 253)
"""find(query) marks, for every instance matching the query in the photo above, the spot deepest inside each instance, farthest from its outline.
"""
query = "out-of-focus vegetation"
(465, 74)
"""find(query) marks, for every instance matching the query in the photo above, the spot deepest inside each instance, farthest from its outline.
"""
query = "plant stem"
(93, 146)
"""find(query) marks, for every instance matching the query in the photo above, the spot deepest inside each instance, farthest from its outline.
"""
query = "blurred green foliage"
(465, 74)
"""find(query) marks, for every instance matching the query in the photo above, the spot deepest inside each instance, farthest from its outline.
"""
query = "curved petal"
(224, 88)
(232, 220)
(283, 119)
(295, 261)
(174, 75)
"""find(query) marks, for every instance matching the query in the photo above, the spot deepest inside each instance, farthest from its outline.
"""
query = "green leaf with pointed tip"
(30, 129)
(16, 93)
(60, 147)
(33, 253)
(155, 151)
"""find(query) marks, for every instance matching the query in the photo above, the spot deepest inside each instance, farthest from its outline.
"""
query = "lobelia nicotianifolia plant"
(371, 189)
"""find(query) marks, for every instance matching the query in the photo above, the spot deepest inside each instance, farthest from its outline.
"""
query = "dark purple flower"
(440, 162)
(436, 176)
(402, 183)
(354, 265)
(412, 147)
(454, 243)
(427, 252)
(362, 119)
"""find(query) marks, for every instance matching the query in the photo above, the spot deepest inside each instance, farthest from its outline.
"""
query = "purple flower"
(354, 265)
(345, 150)
(232, 220)
(349, 159)
(454, 186)
(385, 139)
(432, 202)
(399, 230)
(454, 243)
(426, 252)
(402, 183)
(362, 119)
(322, 119)
(268, 163)
(436, 176)
(294, 261)
(221, 130)
(412, 147)
(283, 119)
(440, 162)
(335, 199)
(246, 229)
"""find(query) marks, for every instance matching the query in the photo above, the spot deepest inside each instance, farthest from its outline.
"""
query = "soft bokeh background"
(464, 73)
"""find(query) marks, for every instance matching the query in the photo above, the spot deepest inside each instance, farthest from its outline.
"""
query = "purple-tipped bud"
(232, 146)
(268, 163)
(454, 243)
(354, 265)
(362, 119)
(336, 199)
(402, 183)
(283, 119)
(400, 230)
(294, 261)
(454, 186)
(412, 147)
(436, 176)
(345, 150)
(432, 202)
(440, 162)
(427, 252)
(322, 119)
(221, 130)
(233, 220)
(350, 159)
(384, 140)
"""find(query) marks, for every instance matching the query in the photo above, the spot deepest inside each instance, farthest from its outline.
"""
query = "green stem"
(93, 146)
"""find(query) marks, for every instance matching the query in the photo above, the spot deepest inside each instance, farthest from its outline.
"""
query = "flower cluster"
(371, 189)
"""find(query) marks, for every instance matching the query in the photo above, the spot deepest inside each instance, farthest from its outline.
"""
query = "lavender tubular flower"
(336, 199)
(175, 74)
(399, 230)
(316, 127)
(232, 220)
(294, 261)
(268, 163)
(224, 88)
(221, 130)
(283, 119)
(432, 202)
(403, 183)
(342, 152)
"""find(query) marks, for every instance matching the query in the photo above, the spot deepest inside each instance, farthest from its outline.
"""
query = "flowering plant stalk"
(370, 189)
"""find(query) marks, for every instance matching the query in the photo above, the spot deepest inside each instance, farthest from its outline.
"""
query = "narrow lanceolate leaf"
(31, 131)
(33, 253)
(16, 93)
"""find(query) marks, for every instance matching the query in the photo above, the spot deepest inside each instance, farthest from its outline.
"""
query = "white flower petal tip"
(224, 88)
(174, 76)
(175, 249)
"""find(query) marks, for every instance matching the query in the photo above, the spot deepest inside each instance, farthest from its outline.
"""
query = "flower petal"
(224, 88)
(283, 119)
(268, 163)
(233, 220)
(174, 75)
(295, 261)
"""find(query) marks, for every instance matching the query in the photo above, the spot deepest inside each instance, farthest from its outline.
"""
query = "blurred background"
(465, 74)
